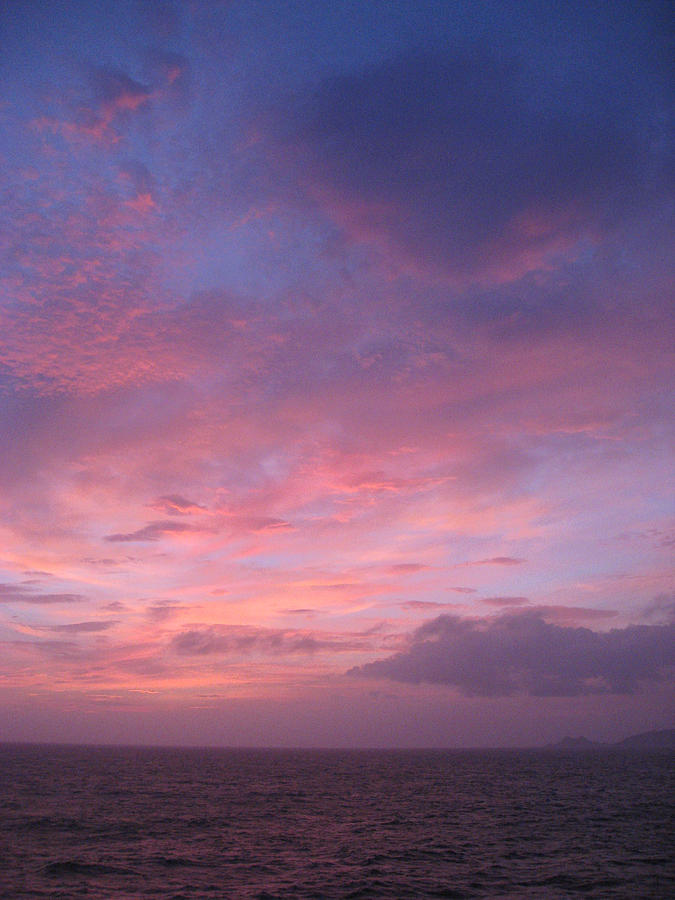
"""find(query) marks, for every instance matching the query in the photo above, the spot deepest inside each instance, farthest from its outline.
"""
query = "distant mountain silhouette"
(576, 743)
(648, 740)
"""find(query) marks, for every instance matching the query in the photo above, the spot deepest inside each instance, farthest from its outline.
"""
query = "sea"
(130, 822)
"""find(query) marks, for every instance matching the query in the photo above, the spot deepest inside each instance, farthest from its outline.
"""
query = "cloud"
(661, 608)
(116, 90)
(66, 651)
(573, 614)
(424, 604)
(204, 641)
(172, 70)
(505, 601)
(520, 652)
(161, 612)
(153, 531)
(104, 561)
(16, 593)
(259, 524)
(449, 161)
(235, 639)
(113, 94)
(378, 481)
(305, 611)
(83, 627)
(496, 561)
(109, 97)
(176, 505)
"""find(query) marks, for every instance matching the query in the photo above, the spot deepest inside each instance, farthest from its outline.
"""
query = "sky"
(336, 366)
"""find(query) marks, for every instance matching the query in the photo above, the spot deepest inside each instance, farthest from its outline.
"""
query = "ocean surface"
(138, 822)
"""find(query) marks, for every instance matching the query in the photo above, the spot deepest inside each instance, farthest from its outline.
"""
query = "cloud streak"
(11, 593)
(83, 627)
(227, 640)
(153, 531)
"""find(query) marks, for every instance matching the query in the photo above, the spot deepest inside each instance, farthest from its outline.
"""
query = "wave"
(77, 867)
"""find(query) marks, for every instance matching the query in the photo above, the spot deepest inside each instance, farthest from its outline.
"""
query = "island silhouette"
(647, 740)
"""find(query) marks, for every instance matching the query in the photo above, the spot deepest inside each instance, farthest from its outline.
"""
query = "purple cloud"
(154, 531)
(175, 505)
(571, 615)
(83, 627)
(520, 652)
(448, 161)
(505, 601)
(424, 604)
(259, 524)
(661, 608)
(243, 639)
(305, 611)
(496, 561)
(161, 612)
(16, 593)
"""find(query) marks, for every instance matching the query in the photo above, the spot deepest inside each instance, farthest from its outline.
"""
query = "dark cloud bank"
(521, 652)
(456, 161)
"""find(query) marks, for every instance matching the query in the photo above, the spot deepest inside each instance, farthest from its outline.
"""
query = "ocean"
(128, 822)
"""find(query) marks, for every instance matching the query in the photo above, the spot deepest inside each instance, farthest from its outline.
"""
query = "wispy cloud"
(505, 601)
(242, 639)
(176, 505)
(83, 627)
(11, 593)
(496, 561)
(153, 531)
(661, 608)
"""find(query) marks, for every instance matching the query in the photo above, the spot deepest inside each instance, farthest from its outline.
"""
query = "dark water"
(132, 823)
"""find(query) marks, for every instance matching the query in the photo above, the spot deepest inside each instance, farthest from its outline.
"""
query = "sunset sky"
(336, 365)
